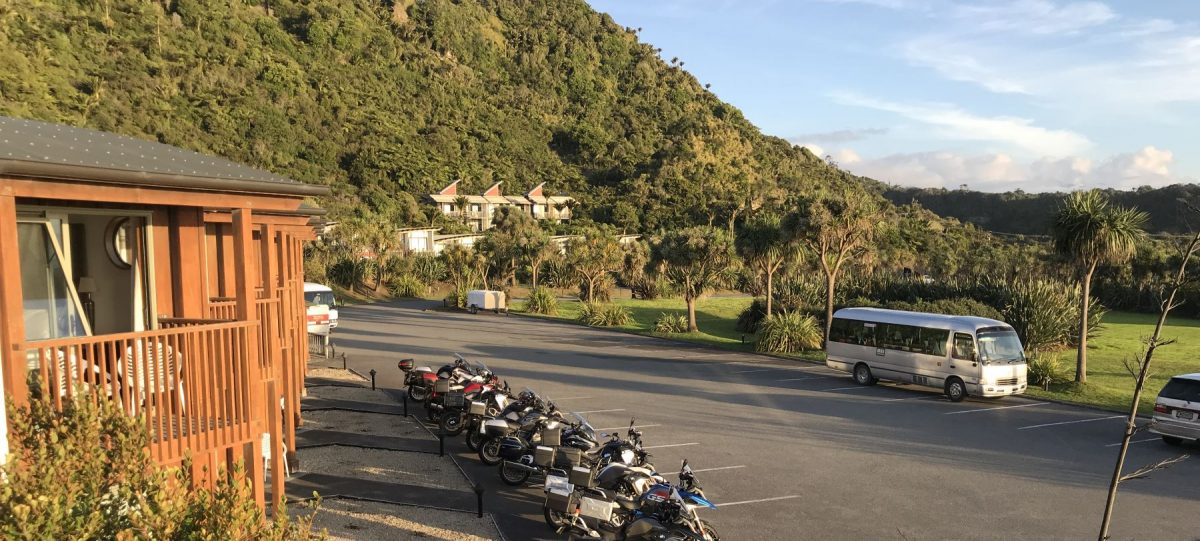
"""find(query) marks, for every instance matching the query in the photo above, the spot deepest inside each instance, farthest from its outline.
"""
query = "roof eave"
(83, 173)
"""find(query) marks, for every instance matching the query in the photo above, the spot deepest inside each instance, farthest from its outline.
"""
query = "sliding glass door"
(51, 304)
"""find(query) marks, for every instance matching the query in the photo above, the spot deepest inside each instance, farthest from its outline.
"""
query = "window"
(1000, 345)
(1182, 389)
(850, 331)
(475, 208)
(313, 298)
(964, 346)
(51, 308)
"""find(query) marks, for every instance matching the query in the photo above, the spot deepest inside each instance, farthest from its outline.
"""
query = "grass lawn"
(1109, 384)
(715, 316)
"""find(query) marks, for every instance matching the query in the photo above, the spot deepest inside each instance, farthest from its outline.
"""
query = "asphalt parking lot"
(797, 451)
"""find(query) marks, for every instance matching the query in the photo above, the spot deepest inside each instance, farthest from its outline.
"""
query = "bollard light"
(343, 361)
(479, 499)
(441, 443)
(743, 339)
(373, 379)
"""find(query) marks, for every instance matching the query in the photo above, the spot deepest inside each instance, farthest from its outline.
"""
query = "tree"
(837, 227)
(1140, 368)
(461, 264)
(697, 259)
(461, 203)
(593, 256)
(515, 240)
(1090, 231)
(765, 246)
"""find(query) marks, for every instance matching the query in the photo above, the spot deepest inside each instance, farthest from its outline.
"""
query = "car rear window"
(1182, 389)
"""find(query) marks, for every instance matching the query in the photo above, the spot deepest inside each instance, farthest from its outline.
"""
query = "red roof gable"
(494, 190)
(452, 189)
(536, 191)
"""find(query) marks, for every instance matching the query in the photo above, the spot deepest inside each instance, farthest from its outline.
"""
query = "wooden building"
(162, 279)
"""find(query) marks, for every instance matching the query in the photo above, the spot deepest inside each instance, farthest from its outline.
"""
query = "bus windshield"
(1000, 346)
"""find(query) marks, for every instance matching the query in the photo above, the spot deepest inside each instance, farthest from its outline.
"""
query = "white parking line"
(777, 498)
(671, 445)
(932, 397)
(600, 411)
(859, 387)
(753, 371)
(710, 469)
(999, 408)
(803, 379)
(573, 398)
(1132, 442)
(1072, 422)
(622, 427)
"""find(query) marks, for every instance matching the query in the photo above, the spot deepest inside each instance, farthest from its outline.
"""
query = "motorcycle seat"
(423, 369)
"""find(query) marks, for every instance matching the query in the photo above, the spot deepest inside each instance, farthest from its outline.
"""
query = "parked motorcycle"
(563, 446)
(528, 428)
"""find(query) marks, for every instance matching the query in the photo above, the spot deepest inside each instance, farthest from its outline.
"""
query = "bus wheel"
(862, 375)
(956, 390)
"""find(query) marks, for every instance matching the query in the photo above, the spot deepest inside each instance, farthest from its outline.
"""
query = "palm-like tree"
(1091, 231)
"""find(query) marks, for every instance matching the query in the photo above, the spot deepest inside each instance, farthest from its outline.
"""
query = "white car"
(316, 296)
(1177, 410)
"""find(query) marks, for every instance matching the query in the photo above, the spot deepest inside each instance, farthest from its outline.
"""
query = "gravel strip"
(420, 469)
(350, 519)
(335, 373)
(359, 394)
(380, 424)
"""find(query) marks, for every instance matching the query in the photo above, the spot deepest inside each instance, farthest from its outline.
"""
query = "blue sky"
(1036, 95)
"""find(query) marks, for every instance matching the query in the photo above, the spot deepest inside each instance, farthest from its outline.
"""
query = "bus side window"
(964, 346)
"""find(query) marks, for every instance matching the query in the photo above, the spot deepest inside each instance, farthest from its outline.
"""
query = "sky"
(1036, 95)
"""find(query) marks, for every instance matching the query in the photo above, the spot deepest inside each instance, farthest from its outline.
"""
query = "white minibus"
(961, 355)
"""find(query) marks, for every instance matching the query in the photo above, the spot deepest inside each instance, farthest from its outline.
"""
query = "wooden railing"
(194, 384)
(222, 308)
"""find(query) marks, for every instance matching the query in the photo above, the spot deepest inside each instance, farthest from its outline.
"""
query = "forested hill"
(380, 100)
(1030, 213)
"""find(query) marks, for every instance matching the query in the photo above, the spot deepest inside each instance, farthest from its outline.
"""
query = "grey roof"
(936, 321)
(40, 149)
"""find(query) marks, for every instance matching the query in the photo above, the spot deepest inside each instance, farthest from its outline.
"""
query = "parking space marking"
(931, 397)
(671, 445)
(1073, 422)
(775, 499)
(1118, 444)
(600, 411)
(753, 371)
(710, 469)
(859, 387)
(803, 379)
(999, 408)
(573, 398)
(623, 427)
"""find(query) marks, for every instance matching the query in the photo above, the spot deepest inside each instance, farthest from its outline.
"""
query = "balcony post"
(244, 279)
(12, 315)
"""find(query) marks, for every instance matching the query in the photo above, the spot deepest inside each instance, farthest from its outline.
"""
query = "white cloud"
(1035, 16)
(959, 67)
(839, 136)
(1149, 166)
(951, 122)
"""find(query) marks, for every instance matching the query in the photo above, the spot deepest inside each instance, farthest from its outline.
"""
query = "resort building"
(478, 211)
(163, 280)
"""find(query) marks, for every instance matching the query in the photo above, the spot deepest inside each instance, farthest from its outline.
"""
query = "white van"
(315, 297)
(1177, 410)
(959, 354)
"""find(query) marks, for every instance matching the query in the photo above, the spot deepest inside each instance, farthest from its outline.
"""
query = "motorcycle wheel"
(489, 452)
(513, 477)
(555, 519)
(451, 423)
(474, 438)
(710, 531)
(418, 393)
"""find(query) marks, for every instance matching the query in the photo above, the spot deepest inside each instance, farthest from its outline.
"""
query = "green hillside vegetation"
(1024, 213)
(386, 102)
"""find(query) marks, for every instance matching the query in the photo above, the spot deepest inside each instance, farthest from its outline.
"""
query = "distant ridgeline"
(1030, 213)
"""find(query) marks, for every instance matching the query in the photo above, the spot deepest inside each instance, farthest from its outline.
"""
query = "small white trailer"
(483, 299)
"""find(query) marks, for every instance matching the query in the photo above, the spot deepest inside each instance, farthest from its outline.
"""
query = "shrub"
(1045, 314)
(788, 332)
(601, 291)
(671, 324)
(542, 301)
(958, 306)
(428, 268)
(84, 473)
(408, 285)
(457, 297)
(1047, 370)
(604, 315)
(750, 318)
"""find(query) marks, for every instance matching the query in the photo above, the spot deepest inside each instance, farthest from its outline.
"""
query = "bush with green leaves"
(408, 285)
(749, 319)
(457, 297)
(428, 268)
(542, 301)
(597, 314)
(84, 473)
(1045, 314)
(1047, 369)
(670, 323)
(788, 332)
(958, 306)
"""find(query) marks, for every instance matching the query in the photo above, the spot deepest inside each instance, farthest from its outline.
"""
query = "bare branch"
(1145, 427)
(1160, 465)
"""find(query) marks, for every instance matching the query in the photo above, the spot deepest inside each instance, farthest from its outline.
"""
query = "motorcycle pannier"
(560, 502)
(477, 408)
(441, 386)
(543, 456)
(594, 508)
(552, 437)
(581, 477)
(454, 399)
(568, 457)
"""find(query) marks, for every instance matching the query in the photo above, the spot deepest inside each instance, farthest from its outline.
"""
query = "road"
(797, 451)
